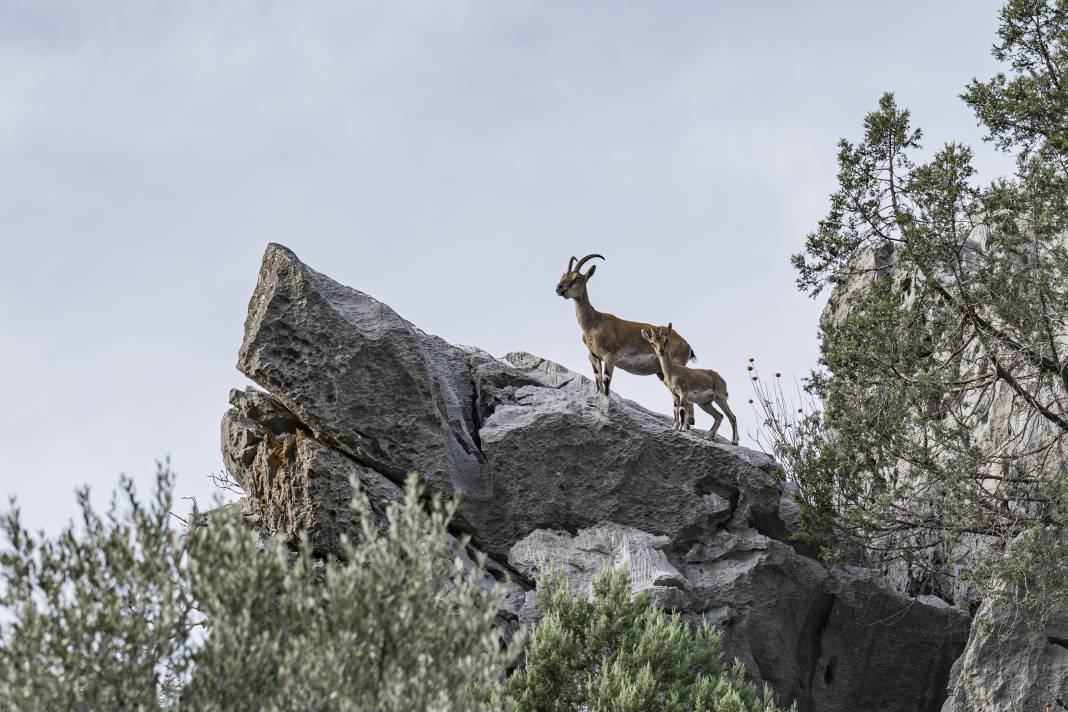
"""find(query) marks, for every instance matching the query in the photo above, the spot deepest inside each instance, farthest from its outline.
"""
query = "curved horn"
(585, 259)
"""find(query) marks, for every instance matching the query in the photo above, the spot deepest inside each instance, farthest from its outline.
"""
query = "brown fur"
(612, 341)
(702, 386)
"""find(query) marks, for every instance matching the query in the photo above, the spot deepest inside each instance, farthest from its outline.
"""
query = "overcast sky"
(445, 157)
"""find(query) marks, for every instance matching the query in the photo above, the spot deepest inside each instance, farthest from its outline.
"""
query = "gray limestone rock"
(561, 456)
(527, 443)
(361, 378)
(832, 641)
(767, 599)
(292, 482)
(881, 650)
(296, 484)
(253, 416)
(582, 556)
(1011, 663)
(550, 472)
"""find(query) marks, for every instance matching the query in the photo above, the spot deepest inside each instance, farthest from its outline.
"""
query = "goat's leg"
(717, 418)
(682, 409)
(676, 407)
(595, 361)
(685, 412)
(684, 406)
(689, 405)
(721, 401)
(609, 368)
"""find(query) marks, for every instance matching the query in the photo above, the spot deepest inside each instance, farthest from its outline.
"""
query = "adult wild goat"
(702, 386)
(613, 341)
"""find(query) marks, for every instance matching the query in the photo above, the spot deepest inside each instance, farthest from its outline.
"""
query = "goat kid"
(702, 386)
(612, 341)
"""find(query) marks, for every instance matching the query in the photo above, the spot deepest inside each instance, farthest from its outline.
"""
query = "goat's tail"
(693, 355)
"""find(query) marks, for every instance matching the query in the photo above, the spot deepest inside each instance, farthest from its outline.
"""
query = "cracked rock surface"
(550, 473)
(1011, 665)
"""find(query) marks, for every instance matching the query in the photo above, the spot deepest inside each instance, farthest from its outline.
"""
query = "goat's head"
(659, 338)
(573, 281)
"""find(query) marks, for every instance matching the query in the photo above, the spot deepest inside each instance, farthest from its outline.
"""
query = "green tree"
(618, 653)
(943, 434)
(128, 612)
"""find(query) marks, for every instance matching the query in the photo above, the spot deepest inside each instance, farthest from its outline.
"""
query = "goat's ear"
(591, 271)
(571, 264)
(667, 331)
(645, 335)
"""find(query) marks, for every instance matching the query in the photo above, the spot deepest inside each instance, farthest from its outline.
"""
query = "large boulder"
(552, 473)
(361, 378)
(528, 444)
(769, 602)
(295, 485)
(562, 456)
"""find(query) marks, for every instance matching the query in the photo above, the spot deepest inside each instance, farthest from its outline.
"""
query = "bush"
(618, 653)
(128, 612)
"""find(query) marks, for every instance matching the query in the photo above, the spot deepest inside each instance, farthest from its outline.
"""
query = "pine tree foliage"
(943, 434)
(616, 652)
(125, 611)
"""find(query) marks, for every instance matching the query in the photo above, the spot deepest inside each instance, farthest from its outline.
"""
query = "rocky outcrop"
(294, 483)
(582, 556)
(893, 672)
(565, 457)
(1013, 660)
(527, 444)
(1011, 664)
(550, 473)
(841, 640)
(361, 378)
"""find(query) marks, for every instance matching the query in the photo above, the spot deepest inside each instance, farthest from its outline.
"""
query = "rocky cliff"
(1010, 662)
(550, 471)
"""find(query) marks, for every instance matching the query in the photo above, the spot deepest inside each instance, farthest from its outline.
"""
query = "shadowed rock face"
(294, 483)
(551, 472)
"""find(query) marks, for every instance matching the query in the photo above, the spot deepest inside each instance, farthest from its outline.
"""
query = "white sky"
(446, 157)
